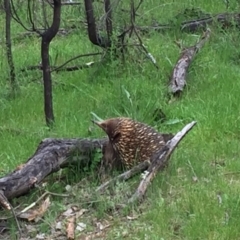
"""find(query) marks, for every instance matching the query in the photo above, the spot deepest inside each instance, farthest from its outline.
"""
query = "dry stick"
(178, 78)
(40, 198)
(133, 29)
(60, 68)
(18, 214)
(16, 17)
(5, 203)
(149, 55)
(74, 58)
(55, 68)
(138, 6)
(159, 160)
(124, 176)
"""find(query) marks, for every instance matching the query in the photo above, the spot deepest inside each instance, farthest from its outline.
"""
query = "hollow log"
(178, 78)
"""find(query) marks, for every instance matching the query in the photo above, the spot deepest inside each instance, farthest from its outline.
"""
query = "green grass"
(197, 196)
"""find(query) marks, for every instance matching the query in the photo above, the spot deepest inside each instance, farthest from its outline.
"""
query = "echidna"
(133, 141)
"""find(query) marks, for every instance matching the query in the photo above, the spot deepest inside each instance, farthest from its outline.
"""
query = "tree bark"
(50, 156)
(47, 37)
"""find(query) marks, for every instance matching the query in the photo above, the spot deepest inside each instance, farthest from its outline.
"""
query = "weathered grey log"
(178, 78)
(51, 155)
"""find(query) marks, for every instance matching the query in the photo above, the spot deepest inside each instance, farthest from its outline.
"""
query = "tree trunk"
(93, 34)
(108, 13)
(47, 37)
(9, 46)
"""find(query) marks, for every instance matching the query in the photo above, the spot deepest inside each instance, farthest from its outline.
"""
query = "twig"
(34, 203)
(124, 176)
(133, 29)
(29, 13)
(4, 202)
(40, 198)
(138, 6)
(71, 3)
(74, 58)
(67, 69)
(159, 160)
(16, 17)
(149, 55)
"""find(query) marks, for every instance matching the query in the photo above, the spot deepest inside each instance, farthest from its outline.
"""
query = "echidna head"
(111, 128)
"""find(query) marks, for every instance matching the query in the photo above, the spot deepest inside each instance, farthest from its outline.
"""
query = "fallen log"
(225, 19)
(53, 154)
(59, 69)
(178, 78)
(159, 160)
(50, 156)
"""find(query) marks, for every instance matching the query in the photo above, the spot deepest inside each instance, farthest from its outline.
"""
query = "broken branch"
(124, 176)
(178, 78)
(159, 161)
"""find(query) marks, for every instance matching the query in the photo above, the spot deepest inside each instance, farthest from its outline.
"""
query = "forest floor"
(197, 195)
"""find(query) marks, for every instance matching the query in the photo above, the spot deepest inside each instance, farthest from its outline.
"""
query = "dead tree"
(12, 74)
(47, 37)
(93, 34)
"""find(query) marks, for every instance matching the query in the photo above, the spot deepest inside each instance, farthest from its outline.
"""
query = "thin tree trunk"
(9, 46)
(108, 13)
(47, 37)
(93, 34)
